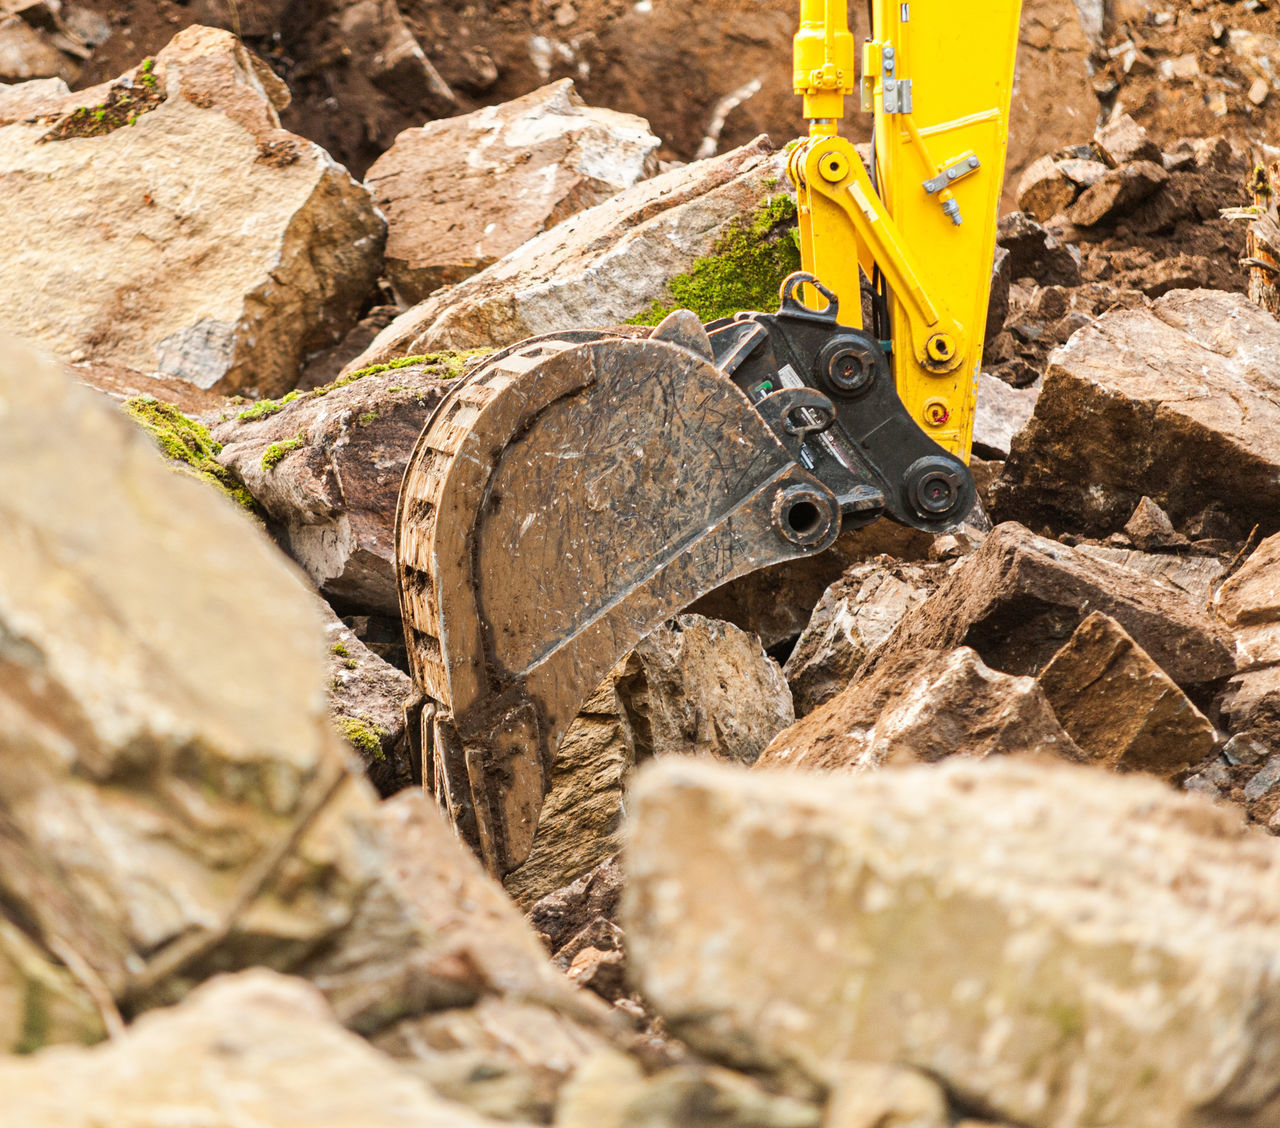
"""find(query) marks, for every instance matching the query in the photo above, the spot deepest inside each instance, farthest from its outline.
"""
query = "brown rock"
(1150, 527)
(1035, 254)
(1119, 706)
(530, 163)
(1044, 191)
(602, 973)
(1249, 604)
(1198, 431)
(855, 615)
(925, 707)
(1195, 577)
(1020, 596)
(1118, 192)
(885, 1096)
(1122, 141)
(564, 913)
(601, 266)
(326, 468)
(127, 238)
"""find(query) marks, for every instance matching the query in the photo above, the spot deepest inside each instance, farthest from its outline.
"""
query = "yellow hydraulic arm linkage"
(938, 75)
(579, 488)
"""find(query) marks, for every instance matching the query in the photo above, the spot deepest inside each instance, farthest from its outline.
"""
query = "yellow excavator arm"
(921, 223)
(579, 488)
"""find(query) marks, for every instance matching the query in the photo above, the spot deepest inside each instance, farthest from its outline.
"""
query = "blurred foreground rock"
(167, 223)
(1118, 949)
(529, 164)
(254, 1048)
(602, 266)
(1197, 431)
(176, 801)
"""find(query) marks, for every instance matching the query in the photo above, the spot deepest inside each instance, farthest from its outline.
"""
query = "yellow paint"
(959, 60)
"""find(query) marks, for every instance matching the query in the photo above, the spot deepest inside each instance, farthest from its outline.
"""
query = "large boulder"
(254, 1048)
(528, 165)
(923, 707)
(325, 466)
(1019, 597)
(175, 799)
(1198, 432)
(1056, 946)
(165, 222)
(615, 261)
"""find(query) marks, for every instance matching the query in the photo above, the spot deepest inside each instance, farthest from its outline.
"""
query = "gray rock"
(1001, 413)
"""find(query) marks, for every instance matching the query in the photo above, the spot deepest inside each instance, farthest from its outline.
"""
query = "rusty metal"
(563, 501)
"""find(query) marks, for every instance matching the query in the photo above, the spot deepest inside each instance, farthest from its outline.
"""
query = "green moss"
(350, 663)
(364, 737)
(367, 418)
(275, 453)
(125, 102)
(451, 363)
(1068, 1019)
(186, 442)
(35, 1019)
(340, 650)
(744, 270)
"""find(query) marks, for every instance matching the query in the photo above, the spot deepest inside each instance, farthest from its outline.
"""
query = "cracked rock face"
(1179, 402)
(174, 228)
(1039, 939)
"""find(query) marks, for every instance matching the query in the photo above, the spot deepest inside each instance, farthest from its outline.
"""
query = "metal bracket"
(949, 174)
(897, 95)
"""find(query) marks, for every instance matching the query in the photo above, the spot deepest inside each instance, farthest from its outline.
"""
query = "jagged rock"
(601, 266)
(176, 801)
(856, 613)
(1002, 412)
(503, 1058)
(1044, 190)
(126, 237)
(122, 383)
(1122, 140)
(1249, 604)
(1119, 706)
(1197, 432)
(998, 300)
(254, 1048)
(1150, 527)
(564, 913)
(1082, 172)
(326, 466)
(1196, 577)
(26, 53)
(610, 1091)
(530, 164)
(776, 603)
(366, 702)
(695, 686)
(1020, 597)
(924, 706)
(1118, 192)
(1035, 254)
(1178, 272)
(1107, 924)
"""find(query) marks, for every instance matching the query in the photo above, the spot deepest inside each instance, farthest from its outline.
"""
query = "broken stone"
(885, 1096)
(127, 236)
(531, 163)
(254, 1048)
(1085, 173)
(1020, 597)
(366, 701)
(855, 615)
(1249, 604)
(694, 687)
(599, 267)
(1071, 888)
(1122, 141)
(1119, 191)
(1178, 272)
(1035, 254)
(923, 707)
(1200, 430)
(1150, 528)
(564, 913)
(26, 53)
(1045, 190)
(602, 973)
(1001, 413)
(326, 466)
(1119, 706)
(1195, 577)
(998, 301)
